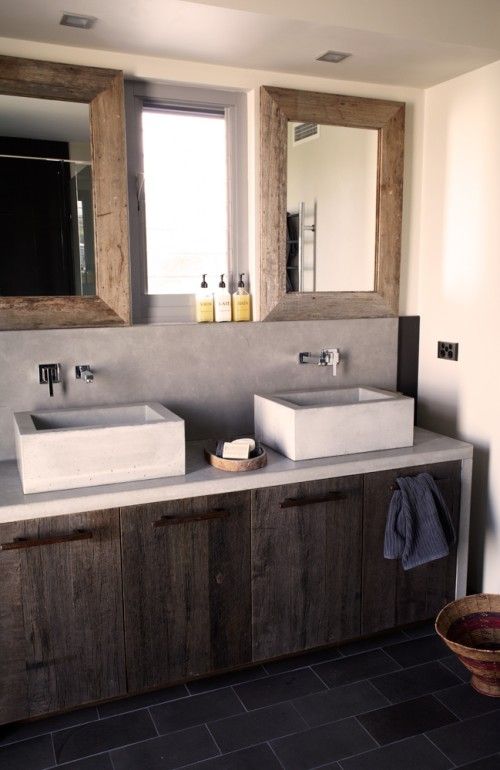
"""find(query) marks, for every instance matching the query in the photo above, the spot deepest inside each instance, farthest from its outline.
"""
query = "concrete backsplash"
(206, 373)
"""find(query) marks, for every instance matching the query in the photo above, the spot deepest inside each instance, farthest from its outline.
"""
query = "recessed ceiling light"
(77, 20)
(334, 56)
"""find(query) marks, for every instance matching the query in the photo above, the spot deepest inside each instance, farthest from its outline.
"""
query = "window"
(187, 193)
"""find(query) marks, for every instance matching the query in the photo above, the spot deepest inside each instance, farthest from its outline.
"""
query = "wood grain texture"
(102, 89)
(277, 107)
(306, 566)
(186, 589)
(62, 641)
(391, 596)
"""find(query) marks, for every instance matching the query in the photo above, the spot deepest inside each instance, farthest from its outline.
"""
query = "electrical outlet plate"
(448, 350)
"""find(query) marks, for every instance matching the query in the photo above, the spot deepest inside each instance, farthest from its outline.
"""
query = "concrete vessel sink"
(307, 424)
(68, 448)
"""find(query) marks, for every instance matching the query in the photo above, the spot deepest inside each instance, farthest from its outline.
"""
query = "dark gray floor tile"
(415, 753)
(300, 661)
(273, 689)
(341, 702)
(422, 629)
(34, 754)
(98, 762)
(255, 758)
(373, 643)
(226, 680)
(452, 663)
(103, 735)
(410, 683)
(167, 752)
(417, 651)
(465, 702)
(402, 720)
(195, 710)
(355, 668)
(135, 702)
(256, 726)
(21, 731)
(322, 744)
(491, 763)
(471, 739)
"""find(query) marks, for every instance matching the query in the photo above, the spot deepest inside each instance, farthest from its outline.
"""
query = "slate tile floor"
(397, 702)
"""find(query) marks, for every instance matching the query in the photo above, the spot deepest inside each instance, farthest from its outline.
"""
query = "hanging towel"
(419, 527)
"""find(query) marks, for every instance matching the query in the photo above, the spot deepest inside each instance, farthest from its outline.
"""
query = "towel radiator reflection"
(303, 228)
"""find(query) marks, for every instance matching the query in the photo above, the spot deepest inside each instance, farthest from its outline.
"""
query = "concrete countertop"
(203, 479)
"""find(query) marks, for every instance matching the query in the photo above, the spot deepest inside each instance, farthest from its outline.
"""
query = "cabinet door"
(186, 571)
(391, 596)
(306, 565)
(61, 628)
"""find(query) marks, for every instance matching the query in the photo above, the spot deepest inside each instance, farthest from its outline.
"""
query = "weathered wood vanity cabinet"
(94, 605)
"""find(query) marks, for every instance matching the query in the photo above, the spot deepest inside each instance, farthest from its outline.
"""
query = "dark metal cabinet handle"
(394, 487)
(22, 543)
(328, 497)
(175, 518)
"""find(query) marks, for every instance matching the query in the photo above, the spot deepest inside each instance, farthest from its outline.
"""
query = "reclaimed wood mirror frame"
(277, 107)
(102, 90)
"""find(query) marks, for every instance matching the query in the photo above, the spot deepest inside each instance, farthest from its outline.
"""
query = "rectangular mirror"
(331, 198)
(63, 196)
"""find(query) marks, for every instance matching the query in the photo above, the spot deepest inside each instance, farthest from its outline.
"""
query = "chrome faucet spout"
(327, 357)
(84, 372)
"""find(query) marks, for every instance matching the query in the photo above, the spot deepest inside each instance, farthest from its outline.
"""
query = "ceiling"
(400, 42)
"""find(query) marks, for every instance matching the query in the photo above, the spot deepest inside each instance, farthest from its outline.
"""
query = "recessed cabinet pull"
(328, 497)
(22, 543)
(176, 518)
(394, 487)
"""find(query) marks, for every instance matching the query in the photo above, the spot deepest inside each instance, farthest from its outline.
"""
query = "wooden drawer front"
(186, 572)
(61, 627)
(306, 565)
(391, 596)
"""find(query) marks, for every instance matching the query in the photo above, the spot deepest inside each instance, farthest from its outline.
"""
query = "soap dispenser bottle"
(222, 302)
(241, 302)
(204, 303)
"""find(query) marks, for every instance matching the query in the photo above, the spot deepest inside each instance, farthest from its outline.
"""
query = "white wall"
(459, 290)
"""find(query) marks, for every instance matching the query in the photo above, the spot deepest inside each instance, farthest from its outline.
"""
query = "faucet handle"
(331, 357)
(84, 372)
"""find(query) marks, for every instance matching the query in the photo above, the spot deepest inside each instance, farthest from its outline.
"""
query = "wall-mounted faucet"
(49, 374)
(84, 372)
(327, 357)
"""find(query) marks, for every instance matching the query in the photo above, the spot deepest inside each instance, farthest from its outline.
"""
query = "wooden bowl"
(235, 466)
(470, 627)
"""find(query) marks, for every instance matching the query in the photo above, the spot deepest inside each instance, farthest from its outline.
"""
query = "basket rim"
(463, 647)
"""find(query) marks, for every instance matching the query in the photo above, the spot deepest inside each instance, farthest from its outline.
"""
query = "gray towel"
(419, 527)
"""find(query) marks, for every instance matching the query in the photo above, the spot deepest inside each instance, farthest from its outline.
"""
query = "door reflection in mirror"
(46, 210)
(331, 207)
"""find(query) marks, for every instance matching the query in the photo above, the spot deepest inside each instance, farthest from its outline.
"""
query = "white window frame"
(180, 308)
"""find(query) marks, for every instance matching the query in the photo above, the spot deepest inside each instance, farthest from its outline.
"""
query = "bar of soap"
(239, 449)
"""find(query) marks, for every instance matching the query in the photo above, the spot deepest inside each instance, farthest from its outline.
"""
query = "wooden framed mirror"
(282, 298)
(102, 90)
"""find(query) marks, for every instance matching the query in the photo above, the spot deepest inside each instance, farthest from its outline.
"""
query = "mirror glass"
(46, 209)
(331, 208)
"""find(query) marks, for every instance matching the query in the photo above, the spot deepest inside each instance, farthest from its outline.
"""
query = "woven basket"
(470, 627)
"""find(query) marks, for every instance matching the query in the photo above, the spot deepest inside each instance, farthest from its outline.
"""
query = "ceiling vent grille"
(305, 132)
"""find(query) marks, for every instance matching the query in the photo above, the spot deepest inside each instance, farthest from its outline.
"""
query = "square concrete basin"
(307, 424)
(88, 446)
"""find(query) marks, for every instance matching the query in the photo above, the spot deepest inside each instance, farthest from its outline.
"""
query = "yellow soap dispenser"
(222, 302)
(204, 303)
(241, 302)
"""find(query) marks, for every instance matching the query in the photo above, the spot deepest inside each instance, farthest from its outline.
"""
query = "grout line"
(378, 745)
(213, 738)
(304, 720)
(322, 682)
(268, 743)
(224, 686)
(53, 748)
(153, 721)
(134, 710)
(234, 691)
(72, 761)
(425, 735)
